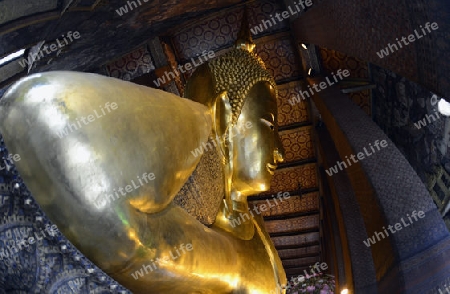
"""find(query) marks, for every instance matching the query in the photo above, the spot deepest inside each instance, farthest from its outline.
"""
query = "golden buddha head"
(242, 97)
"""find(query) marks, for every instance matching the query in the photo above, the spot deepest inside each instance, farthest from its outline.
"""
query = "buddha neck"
(202, 194)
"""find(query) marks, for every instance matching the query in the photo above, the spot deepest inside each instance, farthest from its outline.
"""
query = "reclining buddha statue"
(149, 186)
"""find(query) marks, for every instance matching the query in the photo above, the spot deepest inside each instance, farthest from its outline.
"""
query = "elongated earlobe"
(222, 115)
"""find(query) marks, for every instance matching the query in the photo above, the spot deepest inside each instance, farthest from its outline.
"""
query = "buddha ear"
(221, 118)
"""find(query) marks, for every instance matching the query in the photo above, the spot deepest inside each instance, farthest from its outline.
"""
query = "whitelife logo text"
(128, 189)
(48, 49)
(242, 216)
(322, 85)
(124, 9)
(398, 226)
(411, 38)
(279, 17)
(10, 158)
(25, 239)
(153, 266)
(86, 120)
(170, 75)
(207, 146)
(334, 169)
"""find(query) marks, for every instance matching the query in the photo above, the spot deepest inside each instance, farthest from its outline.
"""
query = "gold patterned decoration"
(236, 72)
(201, 195)
(279, 56)
(287, 113)
(298, 144)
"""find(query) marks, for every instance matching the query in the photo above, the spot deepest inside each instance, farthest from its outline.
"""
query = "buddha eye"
(268, 123)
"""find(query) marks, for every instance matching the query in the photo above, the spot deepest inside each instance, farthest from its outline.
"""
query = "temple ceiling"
(104, 33)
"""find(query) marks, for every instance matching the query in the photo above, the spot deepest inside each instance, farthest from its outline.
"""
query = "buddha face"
(256, 149)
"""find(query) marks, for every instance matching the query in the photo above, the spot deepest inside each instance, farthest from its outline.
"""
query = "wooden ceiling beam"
(302, 256)
(292, 193)
(285, 234)
(291, 215)
(297, 163)
(296, 246)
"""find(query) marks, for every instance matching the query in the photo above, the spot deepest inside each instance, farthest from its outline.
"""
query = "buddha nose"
(278, 155)
(278, 152)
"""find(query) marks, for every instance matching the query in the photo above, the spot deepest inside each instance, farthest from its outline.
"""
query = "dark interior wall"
(363, 28)
(399, 107)
(412, 260)
(356, 270)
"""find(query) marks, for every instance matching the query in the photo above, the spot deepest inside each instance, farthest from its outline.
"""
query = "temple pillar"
(386, 190)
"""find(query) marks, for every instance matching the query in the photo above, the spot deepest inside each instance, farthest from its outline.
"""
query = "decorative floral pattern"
(297, 144)
(132, 65)
(287, 113)
(219, 31)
